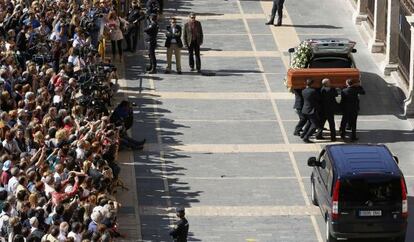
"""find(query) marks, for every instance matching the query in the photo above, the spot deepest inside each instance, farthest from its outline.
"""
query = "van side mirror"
(396, 159)
(312, 161)
(291, 50)
(354, 51)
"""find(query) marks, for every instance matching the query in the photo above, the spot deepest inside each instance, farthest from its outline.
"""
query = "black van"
(361, 192)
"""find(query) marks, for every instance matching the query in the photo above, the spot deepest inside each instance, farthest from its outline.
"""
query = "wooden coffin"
(296, 77)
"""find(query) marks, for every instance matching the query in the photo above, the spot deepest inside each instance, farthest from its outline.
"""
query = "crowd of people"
(316, 106)
(59, 140)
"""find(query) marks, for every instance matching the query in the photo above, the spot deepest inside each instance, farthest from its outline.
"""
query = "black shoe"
(167, 72)
(354, 139)
(302, 136)
(333, 139)
(141, 147)
(198, 71)
(296, 133)
(127, 49)
(141, 143)
(152, 71)
(269, 23)
(307, 141)
(192, 69)
(179, 72)
(343, 135)
(279, 24)
(319, 137)
(148, 68)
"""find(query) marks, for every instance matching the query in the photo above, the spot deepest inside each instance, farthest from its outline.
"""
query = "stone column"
(409, 102)
(377, 43)
(391, 52)
(361, 12)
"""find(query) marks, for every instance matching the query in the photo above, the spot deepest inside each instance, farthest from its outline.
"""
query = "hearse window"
(361, 191)
(330, 62)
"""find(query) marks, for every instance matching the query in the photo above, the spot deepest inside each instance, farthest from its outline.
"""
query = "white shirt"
(173, 30)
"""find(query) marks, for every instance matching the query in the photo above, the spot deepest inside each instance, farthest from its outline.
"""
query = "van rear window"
(330, 62)
(361, 191)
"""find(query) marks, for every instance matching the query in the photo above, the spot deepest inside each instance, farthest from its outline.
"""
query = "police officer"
(180, 231)
(328, 98)
(298, 105)
(151, 32)
(135, 15)
(350, 107)
(310, 109)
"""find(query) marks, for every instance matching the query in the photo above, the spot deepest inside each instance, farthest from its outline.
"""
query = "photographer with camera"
(123, 118)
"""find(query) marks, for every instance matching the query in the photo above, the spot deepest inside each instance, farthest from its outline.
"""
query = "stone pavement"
(221, 144)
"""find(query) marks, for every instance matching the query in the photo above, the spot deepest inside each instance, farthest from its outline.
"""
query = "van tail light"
(335, 201)
(404, 199)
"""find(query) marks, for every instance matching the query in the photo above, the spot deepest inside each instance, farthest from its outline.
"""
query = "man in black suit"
(193, 39)
(174, 45)
(180, 232)
(328, 98)
(134, 17)
(350, 107)
(277, 7)
(151, 32)
(311, 109)
(298, 105)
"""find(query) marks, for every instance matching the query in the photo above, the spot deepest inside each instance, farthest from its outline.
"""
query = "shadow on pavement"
(381, 98)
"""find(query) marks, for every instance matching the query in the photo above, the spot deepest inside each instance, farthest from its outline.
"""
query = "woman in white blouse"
(113, 25)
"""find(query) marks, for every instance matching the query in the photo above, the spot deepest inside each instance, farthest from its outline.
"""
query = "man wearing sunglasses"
(174, 45)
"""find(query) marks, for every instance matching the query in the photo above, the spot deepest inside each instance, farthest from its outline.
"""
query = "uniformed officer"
(135, 15)
(310, 109)
(180, 231)
(298, 105)
(151, 32)
(328, 101)
(350, 107)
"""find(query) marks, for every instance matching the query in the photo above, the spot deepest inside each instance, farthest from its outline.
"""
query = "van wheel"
(313, 194)
(329, 237)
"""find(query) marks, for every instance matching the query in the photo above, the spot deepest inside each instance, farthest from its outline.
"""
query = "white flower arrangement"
(302, 55)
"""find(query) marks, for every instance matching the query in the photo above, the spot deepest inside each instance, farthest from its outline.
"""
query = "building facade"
(389, 25)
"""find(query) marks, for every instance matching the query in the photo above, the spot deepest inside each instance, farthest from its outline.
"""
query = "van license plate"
(374, 213)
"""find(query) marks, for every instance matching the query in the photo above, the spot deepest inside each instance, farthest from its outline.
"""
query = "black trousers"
(194, 48)
(309, 130)
(277, 8)
(132, 37)
(302, 121)
(331, 120)
(350, 118)
(151, 54)
(116, 44)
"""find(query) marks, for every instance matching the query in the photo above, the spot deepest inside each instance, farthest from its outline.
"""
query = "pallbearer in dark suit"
(193, 39)
(298, 105)
(174, 45)
(328, 104)
(350, 107)
(311, 109)
(277, 8)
